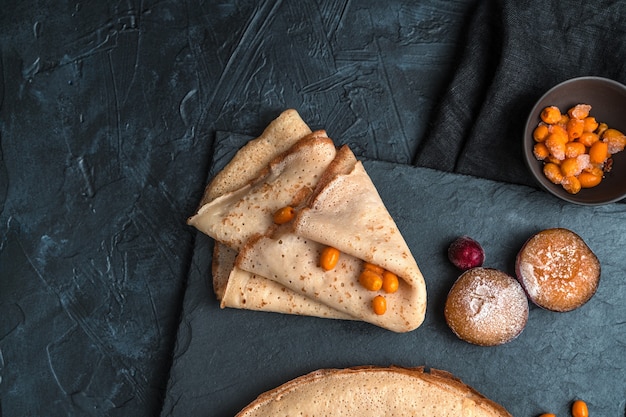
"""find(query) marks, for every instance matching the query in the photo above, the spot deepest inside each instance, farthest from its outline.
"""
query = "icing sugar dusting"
(495, 304)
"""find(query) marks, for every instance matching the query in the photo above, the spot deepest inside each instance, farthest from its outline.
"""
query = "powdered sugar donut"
(486, 307)
(557, 269)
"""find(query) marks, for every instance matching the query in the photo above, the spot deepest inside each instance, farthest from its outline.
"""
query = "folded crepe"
(276, 267)
(234, 287)
(347, 212)
(233, 218)
(374, 391)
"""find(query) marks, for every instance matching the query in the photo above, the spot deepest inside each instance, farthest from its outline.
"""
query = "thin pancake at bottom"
(372, 392)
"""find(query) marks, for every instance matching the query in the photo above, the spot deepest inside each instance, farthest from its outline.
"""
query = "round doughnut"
(486, 307)
(557, 269)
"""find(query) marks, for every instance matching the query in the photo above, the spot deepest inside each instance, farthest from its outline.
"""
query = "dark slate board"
(225, 358)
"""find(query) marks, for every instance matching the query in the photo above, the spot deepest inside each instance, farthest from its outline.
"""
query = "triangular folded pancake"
(234, 287)
(338, 206)
(247, 164)
(345, 212)
(349, 214)
(374, 391)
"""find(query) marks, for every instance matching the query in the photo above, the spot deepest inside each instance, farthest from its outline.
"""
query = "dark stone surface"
(109, 113)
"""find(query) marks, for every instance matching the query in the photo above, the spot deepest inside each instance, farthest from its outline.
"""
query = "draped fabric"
(514, 52)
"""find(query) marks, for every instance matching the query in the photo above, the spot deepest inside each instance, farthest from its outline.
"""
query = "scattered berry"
(579, 409)
(466, 253)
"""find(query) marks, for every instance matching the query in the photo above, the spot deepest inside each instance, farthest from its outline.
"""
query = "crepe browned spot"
(371, 391)
(222, 263)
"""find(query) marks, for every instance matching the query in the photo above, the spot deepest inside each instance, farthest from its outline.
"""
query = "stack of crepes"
(260, 265)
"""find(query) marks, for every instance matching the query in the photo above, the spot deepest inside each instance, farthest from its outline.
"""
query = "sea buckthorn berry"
(370, 280)
(378, 269)
(610, 132)
(284, 215)
(588, 138)
(559, 131)
(571, 184)
(589, 180)
(598, 152)
(570, 167)
(615, 144)
(329, 258)
(379, 305)
(602, 127)
(390, 282)
(615, 139)
(556, 146)
(573, 149)
(564, 119)
(541, 151)
(579, 409)
(575, 128)
(579, 111)
(595, 169)
(547, 415)
(553, 173)
(552, 159)
(590, 124)
(551, 115)
(540, 133)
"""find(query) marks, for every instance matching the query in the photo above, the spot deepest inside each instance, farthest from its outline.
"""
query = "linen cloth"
(514, 52)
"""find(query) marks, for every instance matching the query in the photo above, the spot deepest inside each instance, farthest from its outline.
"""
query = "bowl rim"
(530, 158)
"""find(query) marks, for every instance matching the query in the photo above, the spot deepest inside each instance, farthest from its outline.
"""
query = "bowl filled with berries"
(574, 141)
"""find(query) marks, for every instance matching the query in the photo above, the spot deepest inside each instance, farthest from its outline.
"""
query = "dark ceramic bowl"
(608, 104)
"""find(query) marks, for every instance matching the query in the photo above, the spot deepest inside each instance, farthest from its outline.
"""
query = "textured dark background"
(109, 113)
